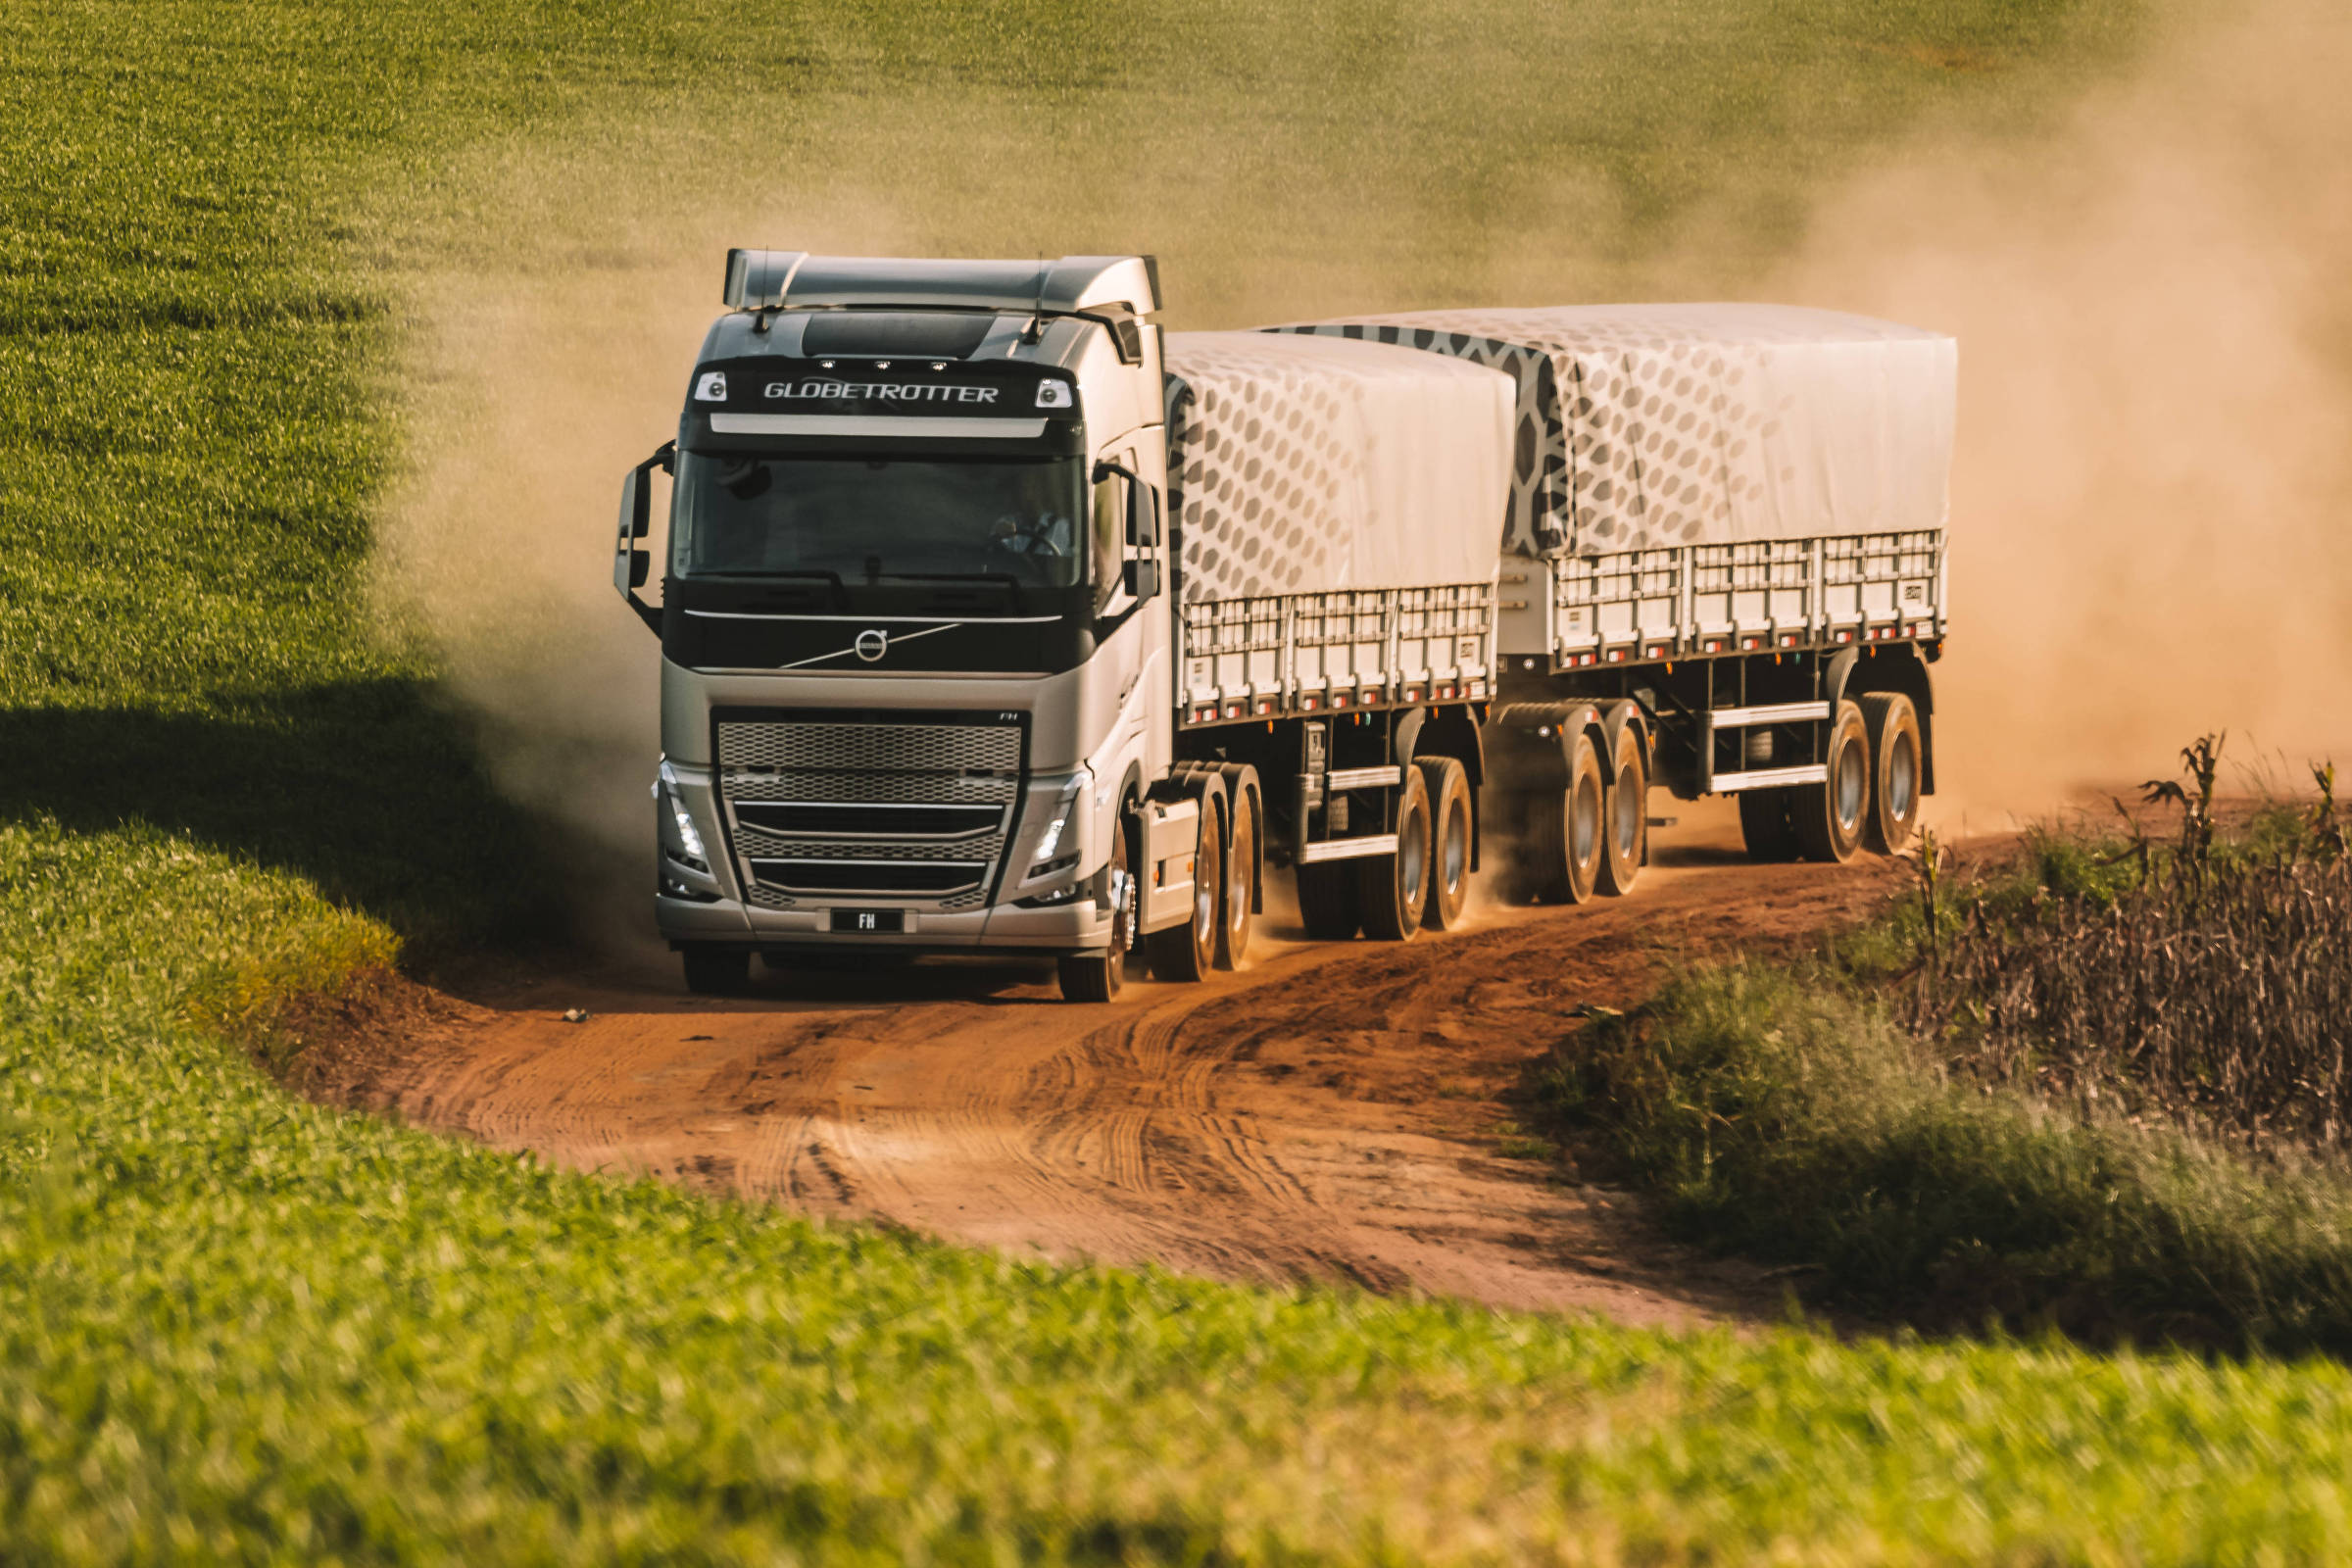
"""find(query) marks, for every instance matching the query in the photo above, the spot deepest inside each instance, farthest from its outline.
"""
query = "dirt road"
(1329, 1112)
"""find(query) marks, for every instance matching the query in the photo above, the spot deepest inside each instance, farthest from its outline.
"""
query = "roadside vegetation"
(238, 1327)
(2101, 1086)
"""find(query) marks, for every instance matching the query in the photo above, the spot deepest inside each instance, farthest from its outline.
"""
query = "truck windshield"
(753, 515)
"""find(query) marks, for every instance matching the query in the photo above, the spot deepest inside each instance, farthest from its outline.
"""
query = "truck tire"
(1625, 842)
(716, 971)
(1892, 726)
(1449, 841)
(1395, 887)
(1189, 950)
(1828, 817)
(1328, 903)
(1765, 825)
(1565, 831)
(1240, 876)
(1101, 976)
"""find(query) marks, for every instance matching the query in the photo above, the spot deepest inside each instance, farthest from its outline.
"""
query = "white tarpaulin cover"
(1309, 464)
(1646, 425)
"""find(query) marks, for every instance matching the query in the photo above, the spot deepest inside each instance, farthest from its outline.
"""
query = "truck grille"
(820, 808)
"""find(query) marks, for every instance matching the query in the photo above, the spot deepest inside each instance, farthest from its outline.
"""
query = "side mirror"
(1143, 578)
(1143, 514)
(630, 564)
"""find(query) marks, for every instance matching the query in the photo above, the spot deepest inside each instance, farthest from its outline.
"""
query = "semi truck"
(995, 618)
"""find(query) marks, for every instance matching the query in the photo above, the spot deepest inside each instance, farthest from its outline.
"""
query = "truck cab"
(913, 640)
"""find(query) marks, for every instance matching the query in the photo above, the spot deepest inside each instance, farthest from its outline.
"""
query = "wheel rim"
(1455, 863)
(1627, 816)
(1237, 887)
(1850, 788)
(1584, 825)
(1902, 780)
(1204, 893)
(1122, 909)
(1412, 858)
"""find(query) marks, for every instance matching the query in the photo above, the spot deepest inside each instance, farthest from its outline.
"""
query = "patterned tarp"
(1302, 465)
(1646, 425)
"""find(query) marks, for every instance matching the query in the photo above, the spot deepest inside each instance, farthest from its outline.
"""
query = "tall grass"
(2213, 988)
(2102, 1090)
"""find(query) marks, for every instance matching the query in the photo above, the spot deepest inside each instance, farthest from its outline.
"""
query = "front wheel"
(1101, 976)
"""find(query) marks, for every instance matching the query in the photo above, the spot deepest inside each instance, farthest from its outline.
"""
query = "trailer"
(994, 618)
(1732, 518)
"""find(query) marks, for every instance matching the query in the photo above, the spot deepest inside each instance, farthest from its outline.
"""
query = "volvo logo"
(871, 645)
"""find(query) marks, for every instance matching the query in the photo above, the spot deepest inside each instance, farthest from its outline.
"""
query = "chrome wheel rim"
(1850, 782)
(1584, 825)
(1412, 858)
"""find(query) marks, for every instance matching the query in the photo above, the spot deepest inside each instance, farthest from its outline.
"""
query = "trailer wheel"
(1765, 824)
(1892, 724)
(1187, 951)
(1101, 976)
(1828, 817)
(1566, 830)
(1395, 886)
(716, 971)
(1450, 840)
(1241, 872)
(1329, 906)
(1626, 844)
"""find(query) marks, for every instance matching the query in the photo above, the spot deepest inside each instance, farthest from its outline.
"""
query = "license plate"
(868, 920)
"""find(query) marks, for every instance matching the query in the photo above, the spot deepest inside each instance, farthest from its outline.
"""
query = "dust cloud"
(2154, 308)
(531, 388)
(2149, 506)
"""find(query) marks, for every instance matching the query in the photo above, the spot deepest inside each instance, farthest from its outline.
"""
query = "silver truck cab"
(914, 643)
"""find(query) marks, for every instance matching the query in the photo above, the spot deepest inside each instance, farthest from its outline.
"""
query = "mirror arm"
(646, 613)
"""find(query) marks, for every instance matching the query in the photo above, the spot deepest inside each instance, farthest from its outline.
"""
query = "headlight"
(689, 839)
(1072, 791)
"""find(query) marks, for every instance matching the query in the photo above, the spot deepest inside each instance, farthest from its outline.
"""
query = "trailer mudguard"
(1529, 743)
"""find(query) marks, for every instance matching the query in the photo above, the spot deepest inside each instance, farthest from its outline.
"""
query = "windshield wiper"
(1019, 601)
(840, 594)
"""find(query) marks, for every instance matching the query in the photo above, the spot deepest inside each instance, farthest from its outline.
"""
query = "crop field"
(238, 1327)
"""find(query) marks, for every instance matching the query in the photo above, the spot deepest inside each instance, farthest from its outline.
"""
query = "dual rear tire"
(1871, 798)
(1425, 881)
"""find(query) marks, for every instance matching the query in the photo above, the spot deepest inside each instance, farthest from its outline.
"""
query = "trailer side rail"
(1755, 596)
(1343, 650)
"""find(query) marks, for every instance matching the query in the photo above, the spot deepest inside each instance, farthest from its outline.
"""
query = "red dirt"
(1333, 1112)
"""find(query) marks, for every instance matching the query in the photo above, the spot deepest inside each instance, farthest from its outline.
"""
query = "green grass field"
(237, 1327)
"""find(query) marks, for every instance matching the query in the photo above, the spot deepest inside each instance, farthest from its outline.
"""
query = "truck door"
(1128, 573)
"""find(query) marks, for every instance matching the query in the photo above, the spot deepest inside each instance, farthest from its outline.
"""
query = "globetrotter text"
(899, 391)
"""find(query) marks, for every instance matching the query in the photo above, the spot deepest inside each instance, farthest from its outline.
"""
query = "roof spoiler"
(774, 280)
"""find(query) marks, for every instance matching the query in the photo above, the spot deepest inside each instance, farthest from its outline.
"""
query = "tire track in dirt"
(1333, 1112)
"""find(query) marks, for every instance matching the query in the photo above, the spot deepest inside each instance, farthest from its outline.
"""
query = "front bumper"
(1080, 926)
